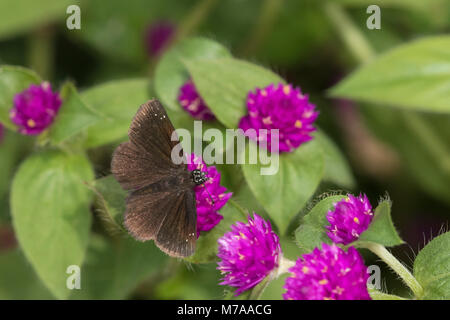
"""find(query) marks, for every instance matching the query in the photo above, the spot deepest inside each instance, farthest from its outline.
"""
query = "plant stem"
(284, 266)
(40, 53)
(194, 18)
(395, 265)
(188, 26)
(267, 17)
(350, 34)
(239, 208)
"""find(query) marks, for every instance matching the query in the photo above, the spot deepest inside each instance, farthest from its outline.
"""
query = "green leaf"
(284, 193)
(432, 268)
(422, 142)
(224, 84)
(206, 250)
(73, 117)
(414, 76)
(312, 233)
(381, 230)
(18, 281)
(22, 15)
(378, 295)
(337, 169)
(112, 270)
(118, 101)
(51, 216)
(171, 74)
(111, 202)
(12, 81)
(13, 149)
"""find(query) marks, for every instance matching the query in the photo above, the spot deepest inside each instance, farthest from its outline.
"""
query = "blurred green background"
(302, 40)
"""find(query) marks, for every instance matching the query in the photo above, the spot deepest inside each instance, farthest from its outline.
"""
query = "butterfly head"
(199, 177)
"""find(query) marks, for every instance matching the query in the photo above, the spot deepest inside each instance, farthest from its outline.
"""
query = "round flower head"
(35, 108)
(328, 274)
(248, 253)
(191, 101)
(280, 107)
(210, 197)
(349, 218)
(158, 36)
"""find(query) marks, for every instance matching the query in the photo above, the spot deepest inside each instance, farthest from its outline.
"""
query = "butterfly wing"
(146, 158)
(167, 217)
(161, 203)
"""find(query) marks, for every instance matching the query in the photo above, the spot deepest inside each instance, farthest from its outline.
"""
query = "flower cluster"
(328, 274)
(191, 101)
(248, 253)
(279, 107)
(158, 36)
(349, 218)
(210, 196)
(35, 108)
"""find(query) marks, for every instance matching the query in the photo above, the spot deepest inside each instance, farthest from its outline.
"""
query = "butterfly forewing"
(161, 203)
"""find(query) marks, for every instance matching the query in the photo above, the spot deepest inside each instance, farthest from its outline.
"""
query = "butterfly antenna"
(210, 196)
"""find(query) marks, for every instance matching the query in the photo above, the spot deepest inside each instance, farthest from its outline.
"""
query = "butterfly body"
(161, 202)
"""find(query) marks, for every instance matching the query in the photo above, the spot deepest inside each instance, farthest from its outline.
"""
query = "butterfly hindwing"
(168, 217)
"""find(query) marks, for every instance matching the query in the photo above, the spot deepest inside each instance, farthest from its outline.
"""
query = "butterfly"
(161, 202)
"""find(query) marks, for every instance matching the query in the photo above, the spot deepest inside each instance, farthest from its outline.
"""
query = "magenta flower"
(210, 197)
(248, 253)
(349, 218)
(35, 108)
(328, 274)
(280, 107)
(158, 35)
(191, 101)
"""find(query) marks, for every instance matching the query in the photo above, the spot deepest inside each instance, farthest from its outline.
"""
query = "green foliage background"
(59, 206)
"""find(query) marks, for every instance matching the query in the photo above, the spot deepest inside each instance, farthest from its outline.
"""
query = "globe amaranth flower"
(248, 253)
(191, 101)
(35, 108)
(158, 36)
(280, 107)
(328, 274)
(349, 218)
(210, 197)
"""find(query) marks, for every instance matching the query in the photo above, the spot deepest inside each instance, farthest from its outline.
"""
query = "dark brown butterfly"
(161, 201)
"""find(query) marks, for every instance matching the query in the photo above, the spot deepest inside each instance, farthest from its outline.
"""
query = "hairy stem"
(395, 265)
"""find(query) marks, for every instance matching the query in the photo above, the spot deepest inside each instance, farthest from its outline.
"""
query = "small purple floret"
(248, 253)
(349, 218)
(158, 36)
(328, 274)
(210, 197)
(191, 101)
(35, 108)
(281, 107)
